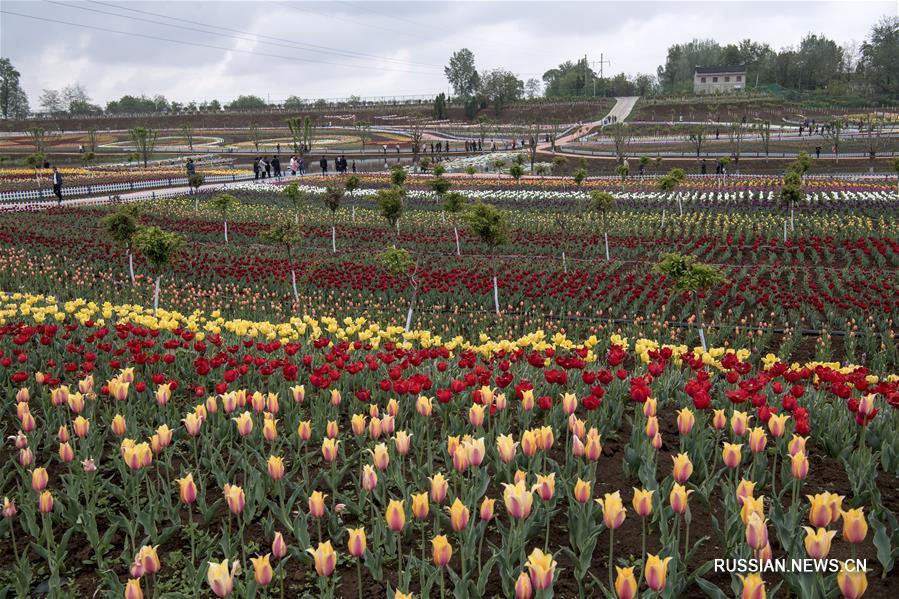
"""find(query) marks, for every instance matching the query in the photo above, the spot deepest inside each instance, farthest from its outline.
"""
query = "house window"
(739, 77)
(714, 80)
(702, 79)
(727, 78)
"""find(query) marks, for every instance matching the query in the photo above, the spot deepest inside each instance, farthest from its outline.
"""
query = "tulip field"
(346, 388)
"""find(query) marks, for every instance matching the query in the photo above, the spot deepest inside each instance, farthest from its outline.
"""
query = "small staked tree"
(790, 193)
(397, 261)
(516, 171)
(195, 181)
(36, 161)
(896, 168)
(144, 141)
(390, 202)
(295, 126)
(697, 136)
(623, 170)
(363, 130)
(491, 226)
(286, 235)
(297, 198)
(225, 203)
(644, 160)
(559, 164)
(398, 176)
(453, 203)
(158, 248)
(579, 176)
(471, 170)
(670, 182)
(691, 276)
(603, 202)
(255, 136)
(439, 185)
(332, 198)
(439, 170)
(39, 138)
(122, 226)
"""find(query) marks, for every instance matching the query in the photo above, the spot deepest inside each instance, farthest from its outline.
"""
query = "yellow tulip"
(541, 568)
(625, 583)
(656, 572)
(756, 532)
(459, 515)
(732, 454)
(817, 542)
(582, 491)
(683, 467)
(685, 421)
(642, 502)
(262, 570)
(546, 486)
(518, 500)
(221, 578)
(753, 587)
(613, 510)
(777, 424)
(678, 498)
(317, 504)
(395, 515)
(324, 557)
(855, 527)
(356, 543)
(505, 447)
(441, 550)
(799, 465)
(852, 582)
(420, 506)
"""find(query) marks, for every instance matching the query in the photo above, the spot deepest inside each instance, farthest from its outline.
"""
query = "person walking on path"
(276, 165)
(256, 168)
(268, 167)
(323, 163)
(293, 166)
(301, 166)
(57, 186)
(191, 167)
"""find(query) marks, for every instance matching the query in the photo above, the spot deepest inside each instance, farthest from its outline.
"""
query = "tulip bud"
(799, 466)
(459, 515)
(39, 479)
(732, 454)
(642, 502)
(541, 568)
(685, 421)
(317, 504)
(719, 420)
(325, 558)
(523, 587)
(855, 527)
(852, 582)
(45, 502)
(439, 488)
(817, 542)
(424, 406)
(487, 507)
(356, 542)
(279, 547)
(188, 490)
(582, 491)
(613, 511)
(756, 532)
(441, 550)
(235, 498)
(656, 572)
(757, 440)
(678, 498)
(133, 590)
(395, 516)
(739, 423)
(753, 586)
(683, 467)
(625, 583)
(420, 506)
(276, 467)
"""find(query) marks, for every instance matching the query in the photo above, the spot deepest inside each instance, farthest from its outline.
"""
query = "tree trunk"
(131, 267)
(156, 295)
(293, 282)
(699, 323)
(226, 231)
(495, 294)
(333, 239)
(458, 250)
(680, 206)
(411, 308)
(606, 237)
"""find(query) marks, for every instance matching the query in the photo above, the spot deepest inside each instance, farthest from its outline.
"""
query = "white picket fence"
(108, 188)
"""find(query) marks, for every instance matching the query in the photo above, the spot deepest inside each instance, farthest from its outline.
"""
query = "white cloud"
(525, 37)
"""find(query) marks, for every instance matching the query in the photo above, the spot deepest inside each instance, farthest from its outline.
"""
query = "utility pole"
(600, 62)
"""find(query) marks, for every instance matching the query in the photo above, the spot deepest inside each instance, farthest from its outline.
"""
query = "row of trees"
(817, 63)
(495, 88)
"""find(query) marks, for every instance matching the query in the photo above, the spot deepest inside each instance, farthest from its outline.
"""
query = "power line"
(300, 45)
(202, 45)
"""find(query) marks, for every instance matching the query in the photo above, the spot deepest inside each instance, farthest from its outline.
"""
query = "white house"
(723, 79)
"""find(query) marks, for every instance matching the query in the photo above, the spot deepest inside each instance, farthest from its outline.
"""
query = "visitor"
(268, 167)
(817, 151)
(385, 148)
(191, 167)
(57, 186)
(276, 165)
(256, 168)
(301, 166)
(337, 164)
(354, 166)
(397, 148)
(294, 165)
(323, 163)
(702, 167)
(278, 149)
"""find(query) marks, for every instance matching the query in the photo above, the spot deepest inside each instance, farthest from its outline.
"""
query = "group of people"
(263, 167)
(340, 165)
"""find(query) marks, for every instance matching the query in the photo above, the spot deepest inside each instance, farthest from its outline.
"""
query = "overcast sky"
(335, 49)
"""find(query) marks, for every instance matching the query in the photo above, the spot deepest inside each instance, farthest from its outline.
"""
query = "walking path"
(620, 111)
